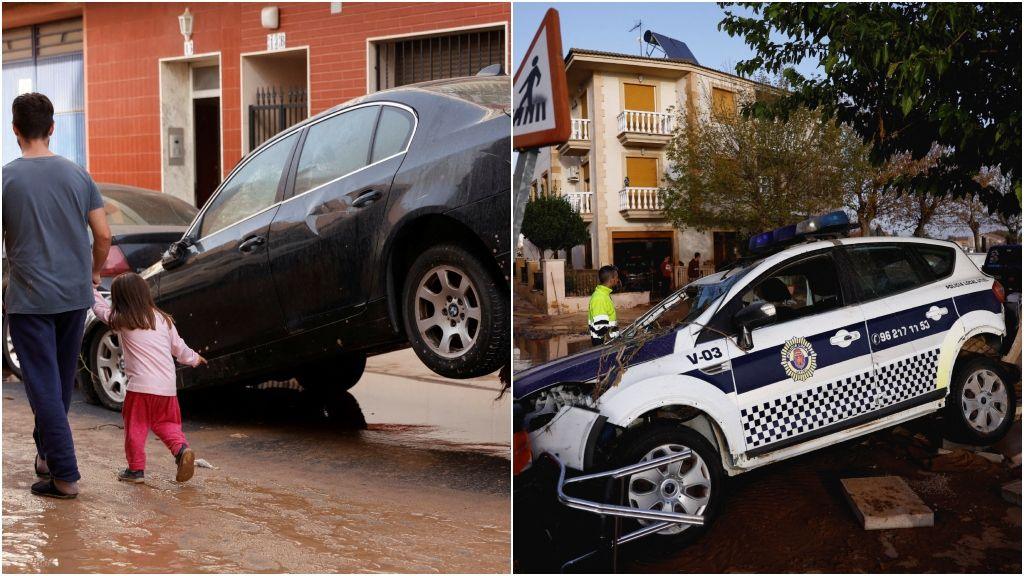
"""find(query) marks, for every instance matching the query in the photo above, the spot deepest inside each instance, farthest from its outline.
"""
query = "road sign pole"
(521, 184)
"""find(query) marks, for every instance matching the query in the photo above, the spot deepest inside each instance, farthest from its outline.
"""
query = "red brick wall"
(124, 42)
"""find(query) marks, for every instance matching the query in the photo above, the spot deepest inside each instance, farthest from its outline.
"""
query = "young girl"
(150, 343)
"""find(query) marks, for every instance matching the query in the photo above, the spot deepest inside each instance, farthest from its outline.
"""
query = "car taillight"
(115, 263)
(1000, 293)
(521, 454)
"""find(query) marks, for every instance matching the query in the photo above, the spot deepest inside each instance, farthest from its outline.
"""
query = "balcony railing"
(634, 198)
(581, 202)
(640, 122)
(580, 129)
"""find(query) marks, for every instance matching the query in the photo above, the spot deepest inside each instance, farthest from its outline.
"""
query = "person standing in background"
(601, 317)
(693, 269)
(50, 205)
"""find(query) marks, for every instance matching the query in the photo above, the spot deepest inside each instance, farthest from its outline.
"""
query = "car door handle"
(366, 198)
(251, 243)
(844, 338)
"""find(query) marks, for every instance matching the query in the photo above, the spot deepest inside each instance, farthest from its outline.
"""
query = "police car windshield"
(687, 303)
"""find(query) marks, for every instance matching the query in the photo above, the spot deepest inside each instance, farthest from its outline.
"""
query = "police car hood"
(589, 365)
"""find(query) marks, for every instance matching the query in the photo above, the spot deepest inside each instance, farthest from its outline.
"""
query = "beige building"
(624, 109)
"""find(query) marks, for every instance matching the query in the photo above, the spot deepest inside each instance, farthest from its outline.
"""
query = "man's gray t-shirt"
(46, 201)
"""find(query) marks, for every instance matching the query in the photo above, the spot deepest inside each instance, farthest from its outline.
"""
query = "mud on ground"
(793, 517)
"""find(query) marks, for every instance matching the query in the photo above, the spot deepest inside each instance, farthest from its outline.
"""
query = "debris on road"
(239, 435)
(883, 502)
(1011, 492)
(204, 464)
(961, 460)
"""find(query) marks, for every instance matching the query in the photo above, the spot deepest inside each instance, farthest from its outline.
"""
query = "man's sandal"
(49, 489)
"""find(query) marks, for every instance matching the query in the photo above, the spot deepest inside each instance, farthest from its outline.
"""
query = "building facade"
(624, 109)
(137, 103)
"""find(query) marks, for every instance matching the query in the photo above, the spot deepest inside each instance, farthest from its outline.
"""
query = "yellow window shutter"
(639, 97)
(642, 172)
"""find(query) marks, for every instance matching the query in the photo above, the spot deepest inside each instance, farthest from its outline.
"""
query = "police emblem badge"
(799, 359)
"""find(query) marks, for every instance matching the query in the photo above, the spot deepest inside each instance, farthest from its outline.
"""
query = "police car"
(815, 340)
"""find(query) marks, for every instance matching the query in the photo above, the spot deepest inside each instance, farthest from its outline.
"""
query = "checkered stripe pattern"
(811, 409)
(836, 401)
(907, 378)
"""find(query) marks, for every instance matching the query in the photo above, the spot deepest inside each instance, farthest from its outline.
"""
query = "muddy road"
(793, 517)
(409, 473)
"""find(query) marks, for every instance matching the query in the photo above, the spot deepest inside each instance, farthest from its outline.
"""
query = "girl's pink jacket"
(149, 354)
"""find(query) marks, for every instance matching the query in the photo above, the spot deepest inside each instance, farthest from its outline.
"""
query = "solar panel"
(674, 49)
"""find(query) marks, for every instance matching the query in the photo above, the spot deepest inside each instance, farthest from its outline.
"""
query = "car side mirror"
(750, 317)
(175, 254)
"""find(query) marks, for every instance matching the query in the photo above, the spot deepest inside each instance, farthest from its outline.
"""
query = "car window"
(883, 269)
(393, 131)
(251, 189)
(334, 147)
(940, 259)
(802, 288)
(130, 207)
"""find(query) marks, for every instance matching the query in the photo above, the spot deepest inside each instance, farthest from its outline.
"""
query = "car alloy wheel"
(984, 401)
(447, 310)
(11, 354)
(109, 364)
(683, 486)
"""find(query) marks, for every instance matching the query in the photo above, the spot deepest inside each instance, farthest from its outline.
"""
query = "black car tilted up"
(378, 224)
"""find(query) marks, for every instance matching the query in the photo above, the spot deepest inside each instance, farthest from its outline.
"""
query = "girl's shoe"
(186, 461)
(134, 476)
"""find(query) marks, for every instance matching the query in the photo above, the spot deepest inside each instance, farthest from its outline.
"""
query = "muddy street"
(408, 473)
(793, 517)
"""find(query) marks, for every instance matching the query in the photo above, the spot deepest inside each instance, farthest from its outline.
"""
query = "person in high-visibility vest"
(601, 318)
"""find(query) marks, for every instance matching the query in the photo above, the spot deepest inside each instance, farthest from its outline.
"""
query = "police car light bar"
(831, 223)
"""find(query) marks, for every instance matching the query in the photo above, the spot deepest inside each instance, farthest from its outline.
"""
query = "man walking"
(48, 203)
(601, 317)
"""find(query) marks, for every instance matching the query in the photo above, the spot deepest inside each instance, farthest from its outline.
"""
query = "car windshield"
(687, 303)
(143, 208)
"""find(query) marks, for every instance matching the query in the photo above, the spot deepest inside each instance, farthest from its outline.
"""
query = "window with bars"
(435, 57)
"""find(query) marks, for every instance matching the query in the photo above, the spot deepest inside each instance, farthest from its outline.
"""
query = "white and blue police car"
(817, 339)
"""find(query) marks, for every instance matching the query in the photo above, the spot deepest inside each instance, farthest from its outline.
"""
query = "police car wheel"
(982, 402)
(691, 486)
(456, 315)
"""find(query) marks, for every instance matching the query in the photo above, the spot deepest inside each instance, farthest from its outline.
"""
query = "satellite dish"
(672, 48)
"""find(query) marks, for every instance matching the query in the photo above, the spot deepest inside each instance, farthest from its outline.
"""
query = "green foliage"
(753, 174)
(550, 223)
(904, 76)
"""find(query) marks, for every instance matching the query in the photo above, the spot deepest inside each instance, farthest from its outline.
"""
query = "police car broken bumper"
(653, 520)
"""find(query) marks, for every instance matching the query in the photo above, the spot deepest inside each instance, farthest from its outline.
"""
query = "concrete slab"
(1011, 492)
(884, 502)
(1009, 446)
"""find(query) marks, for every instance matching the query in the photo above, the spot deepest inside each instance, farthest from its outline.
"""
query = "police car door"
(809, 371)
(906, 321)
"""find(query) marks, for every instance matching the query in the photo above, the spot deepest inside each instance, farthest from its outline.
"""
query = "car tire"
(704, 466)
(102, 377)
(338, 374)
(982, 402)
(10, 356)
(457, 330)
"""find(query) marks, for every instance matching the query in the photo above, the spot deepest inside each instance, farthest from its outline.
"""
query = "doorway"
(725, 246)
(190, 124)
(206, 114)
(638, 256)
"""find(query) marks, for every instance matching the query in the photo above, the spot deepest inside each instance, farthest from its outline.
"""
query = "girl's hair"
(131, 304)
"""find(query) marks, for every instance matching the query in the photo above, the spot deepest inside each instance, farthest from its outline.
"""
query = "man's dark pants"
(48, 347)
